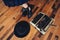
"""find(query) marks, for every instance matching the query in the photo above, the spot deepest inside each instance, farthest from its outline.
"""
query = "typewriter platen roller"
(41, 22)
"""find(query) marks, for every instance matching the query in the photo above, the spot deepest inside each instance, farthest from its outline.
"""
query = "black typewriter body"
(41, 22)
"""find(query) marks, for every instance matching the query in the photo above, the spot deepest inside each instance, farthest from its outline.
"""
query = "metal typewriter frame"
(41, 30)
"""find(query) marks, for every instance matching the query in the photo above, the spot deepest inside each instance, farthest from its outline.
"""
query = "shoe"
(27, 11)
(24, 11)
(29, 14)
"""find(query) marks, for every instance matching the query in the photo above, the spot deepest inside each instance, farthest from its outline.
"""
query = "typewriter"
(41, 22)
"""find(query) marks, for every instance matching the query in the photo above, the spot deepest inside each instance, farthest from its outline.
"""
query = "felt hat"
(21, 29)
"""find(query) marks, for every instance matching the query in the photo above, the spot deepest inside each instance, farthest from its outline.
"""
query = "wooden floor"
(9, 16)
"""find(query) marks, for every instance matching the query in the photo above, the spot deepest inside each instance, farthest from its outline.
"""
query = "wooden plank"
(2, 7)
(3, 10)
(9, 21)
(38, 4)
(48, 6)
(7, 14)
(34, 2)
(16, 17)
(57, 32)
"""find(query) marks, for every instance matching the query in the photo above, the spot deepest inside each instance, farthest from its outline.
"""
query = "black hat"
(21, 29)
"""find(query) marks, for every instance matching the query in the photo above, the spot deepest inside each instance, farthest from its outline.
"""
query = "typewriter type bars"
(41, 22)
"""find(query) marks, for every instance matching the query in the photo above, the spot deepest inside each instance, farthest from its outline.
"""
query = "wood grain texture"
(9, 16)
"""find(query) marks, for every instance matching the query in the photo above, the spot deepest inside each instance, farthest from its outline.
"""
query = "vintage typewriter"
(42, 22)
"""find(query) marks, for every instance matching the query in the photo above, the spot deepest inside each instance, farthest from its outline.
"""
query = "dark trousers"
(11, 3)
